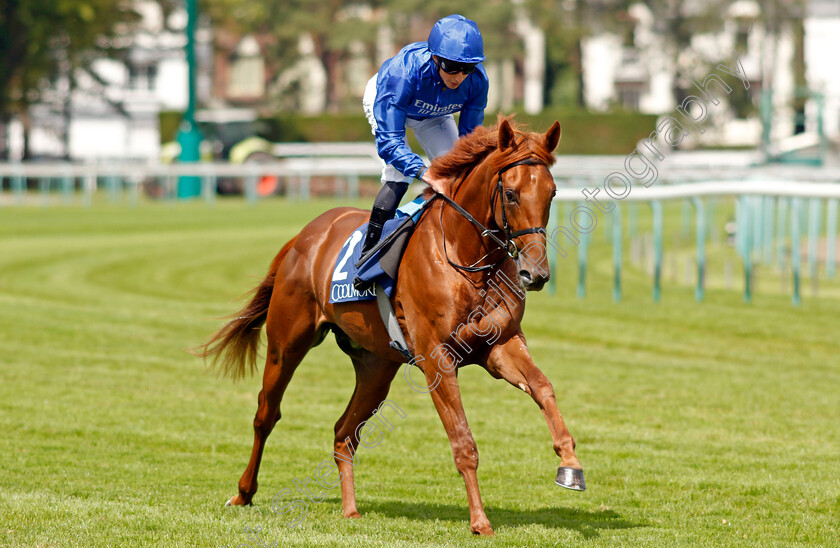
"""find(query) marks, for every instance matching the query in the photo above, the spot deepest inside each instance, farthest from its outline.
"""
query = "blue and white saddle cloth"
(384, 261)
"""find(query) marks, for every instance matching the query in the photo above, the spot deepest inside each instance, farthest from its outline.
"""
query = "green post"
(769, 215)
(67, 183)
(616, 238)
(582, 251)
(251, 188)
(353, 185)
(208, 188)
(744, 226)
(814, 214)
(701, 246)
(113, 190)
(795, 256)
(781, 233)
(757, 218)
(656, 206)
(830, 237)
(44, 187)
(18, 188)
(581, 288)
(189, 137)
(303, 187)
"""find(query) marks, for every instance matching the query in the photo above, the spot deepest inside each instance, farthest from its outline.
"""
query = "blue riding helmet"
(458, 39)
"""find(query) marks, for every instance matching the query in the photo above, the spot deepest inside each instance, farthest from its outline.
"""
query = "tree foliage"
(42, 39)
(333, 25)
(336, 26)
(495, 18)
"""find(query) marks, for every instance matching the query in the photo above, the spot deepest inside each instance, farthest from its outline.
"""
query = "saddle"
(381, 265)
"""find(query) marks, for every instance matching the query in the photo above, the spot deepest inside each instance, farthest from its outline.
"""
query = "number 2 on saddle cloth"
(384, 260)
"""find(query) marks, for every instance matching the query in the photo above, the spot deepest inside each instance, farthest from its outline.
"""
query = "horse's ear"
(552, 136)
(505, 135)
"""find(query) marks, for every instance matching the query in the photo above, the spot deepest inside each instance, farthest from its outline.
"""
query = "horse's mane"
(471, 150)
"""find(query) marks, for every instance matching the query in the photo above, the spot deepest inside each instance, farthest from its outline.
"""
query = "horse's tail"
(234, 347)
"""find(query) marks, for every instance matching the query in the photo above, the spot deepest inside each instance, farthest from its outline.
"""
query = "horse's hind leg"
(291, 333)
(373, 380)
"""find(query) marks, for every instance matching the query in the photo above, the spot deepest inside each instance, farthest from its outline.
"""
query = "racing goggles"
(454, 67)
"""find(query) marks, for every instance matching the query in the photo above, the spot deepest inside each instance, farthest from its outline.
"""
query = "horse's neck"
(464, 243)
(491, 289)
(474, 195)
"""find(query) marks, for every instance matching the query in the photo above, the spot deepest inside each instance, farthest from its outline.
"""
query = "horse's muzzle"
(531, 281)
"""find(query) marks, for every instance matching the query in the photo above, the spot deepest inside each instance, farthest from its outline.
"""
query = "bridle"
(508, 245)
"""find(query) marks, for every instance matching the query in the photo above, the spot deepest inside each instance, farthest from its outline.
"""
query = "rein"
(508, 245)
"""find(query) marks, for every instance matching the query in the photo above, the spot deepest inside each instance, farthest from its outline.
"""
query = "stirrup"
(396, 345)
(392, 325)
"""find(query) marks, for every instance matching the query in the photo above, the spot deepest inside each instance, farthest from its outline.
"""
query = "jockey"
(421, 87)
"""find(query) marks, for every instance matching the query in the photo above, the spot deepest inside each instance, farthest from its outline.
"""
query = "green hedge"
(593, 133)
(169, 122)
(583, 132)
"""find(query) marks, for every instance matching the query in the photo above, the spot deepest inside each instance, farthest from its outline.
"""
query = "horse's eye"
(510, 196)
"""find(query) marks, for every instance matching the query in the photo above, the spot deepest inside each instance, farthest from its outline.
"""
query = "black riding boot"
(384, 206)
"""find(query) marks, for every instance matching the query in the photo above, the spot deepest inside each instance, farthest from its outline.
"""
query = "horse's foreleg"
(447, 399)
(512, 362)
(373, 380)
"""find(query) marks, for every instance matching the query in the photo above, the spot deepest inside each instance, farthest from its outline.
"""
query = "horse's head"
(501, 174)
(522, 195)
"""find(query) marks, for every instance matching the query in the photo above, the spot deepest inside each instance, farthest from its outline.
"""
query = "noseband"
(508, 245)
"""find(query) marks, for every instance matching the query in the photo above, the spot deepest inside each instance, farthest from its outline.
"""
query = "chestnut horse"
(458, 300)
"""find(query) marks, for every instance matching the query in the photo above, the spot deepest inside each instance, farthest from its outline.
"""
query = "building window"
(742, 35)
(142, 76)
(629, 94)
(247, 71)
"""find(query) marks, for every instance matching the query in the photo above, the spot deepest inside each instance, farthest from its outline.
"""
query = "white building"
(114, 112)
(641, 76)
(822, 42)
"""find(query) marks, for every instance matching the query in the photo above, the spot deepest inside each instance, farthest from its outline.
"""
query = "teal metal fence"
(769, 215)
(775, 206)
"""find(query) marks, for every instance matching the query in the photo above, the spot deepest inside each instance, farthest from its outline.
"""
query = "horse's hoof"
(482, 529)
(236, 500)
(570, 479)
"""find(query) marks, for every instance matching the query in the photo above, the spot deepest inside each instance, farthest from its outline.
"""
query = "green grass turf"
(698, 424)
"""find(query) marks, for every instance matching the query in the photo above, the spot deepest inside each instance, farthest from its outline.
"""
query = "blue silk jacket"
(409, 86)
